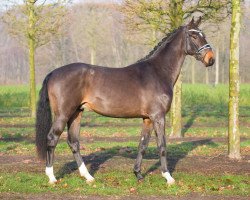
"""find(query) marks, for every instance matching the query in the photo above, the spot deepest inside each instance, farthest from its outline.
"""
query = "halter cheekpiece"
(206, 46)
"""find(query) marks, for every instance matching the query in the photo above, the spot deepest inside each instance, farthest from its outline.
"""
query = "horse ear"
(198, 22)
(191, 23)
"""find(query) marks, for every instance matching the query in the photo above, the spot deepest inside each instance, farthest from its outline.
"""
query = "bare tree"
(234, 83)
(33, 22)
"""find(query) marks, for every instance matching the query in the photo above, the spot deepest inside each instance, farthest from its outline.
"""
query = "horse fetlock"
(85, 173)
(138, 175)
(168, 177)
(50, 173)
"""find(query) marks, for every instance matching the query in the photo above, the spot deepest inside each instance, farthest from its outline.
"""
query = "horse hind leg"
(145, 137)
(52, 140)
(73, 142)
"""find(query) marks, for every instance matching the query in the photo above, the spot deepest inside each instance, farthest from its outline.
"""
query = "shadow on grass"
(17, 138)
(190, 121)
(219, 111)
(10, 112)
(176, 152)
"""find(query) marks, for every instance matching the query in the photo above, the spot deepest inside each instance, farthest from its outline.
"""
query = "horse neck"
(170, 57)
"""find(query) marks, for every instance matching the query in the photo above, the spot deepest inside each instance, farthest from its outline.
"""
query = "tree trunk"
(176, 12)
(176, 110)
(234, 84)
(31, 41)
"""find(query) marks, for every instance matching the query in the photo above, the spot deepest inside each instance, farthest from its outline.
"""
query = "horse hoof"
(171, 182)
(140, 180)
(53, 182)
(90, 181)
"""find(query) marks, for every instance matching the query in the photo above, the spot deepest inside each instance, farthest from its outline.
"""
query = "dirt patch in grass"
(107, 160)
(194, 196)
(137, 138)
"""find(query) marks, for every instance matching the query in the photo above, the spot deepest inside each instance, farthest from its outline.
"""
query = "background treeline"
(96, 32)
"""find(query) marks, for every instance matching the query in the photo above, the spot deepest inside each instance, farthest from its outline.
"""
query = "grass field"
(109, 146)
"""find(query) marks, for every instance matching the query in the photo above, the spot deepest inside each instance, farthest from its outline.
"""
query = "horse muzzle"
(209, 58)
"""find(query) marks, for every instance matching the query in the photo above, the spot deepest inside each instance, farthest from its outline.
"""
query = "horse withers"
(141, 90)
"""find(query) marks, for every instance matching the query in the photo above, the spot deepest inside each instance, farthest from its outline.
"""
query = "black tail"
(43, 120)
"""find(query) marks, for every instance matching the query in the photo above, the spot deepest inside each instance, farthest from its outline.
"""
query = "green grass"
(120, 183)
(245, 143)
(200, 94)
(10, 94)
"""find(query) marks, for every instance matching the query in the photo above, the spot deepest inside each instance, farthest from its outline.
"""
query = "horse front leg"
(144, 140)
(159, 127)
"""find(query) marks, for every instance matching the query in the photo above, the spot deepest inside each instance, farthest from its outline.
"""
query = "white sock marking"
(50, 173)
(85, 173)
(169, 178)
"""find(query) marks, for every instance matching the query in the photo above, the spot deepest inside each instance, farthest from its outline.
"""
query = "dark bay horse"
(141, 90)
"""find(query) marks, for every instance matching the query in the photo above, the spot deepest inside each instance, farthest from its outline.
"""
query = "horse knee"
(52, 140)
(55, 132)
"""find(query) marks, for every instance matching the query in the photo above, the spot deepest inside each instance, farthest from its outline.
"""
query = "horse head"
(197, 45)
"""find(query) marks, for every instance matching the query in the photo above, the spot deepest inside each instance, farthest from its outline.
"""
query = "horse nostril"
(211, 61)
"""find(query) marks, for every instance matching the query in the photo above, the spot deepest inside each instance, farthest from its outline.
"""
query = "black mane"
(164, 40)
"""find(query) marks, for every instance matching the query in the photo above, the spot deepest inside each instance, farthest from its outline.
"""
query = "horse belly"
(112, 108)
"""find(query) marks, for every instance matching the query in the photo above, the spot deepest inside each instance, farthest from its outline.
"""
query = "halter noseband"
(200, 49)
